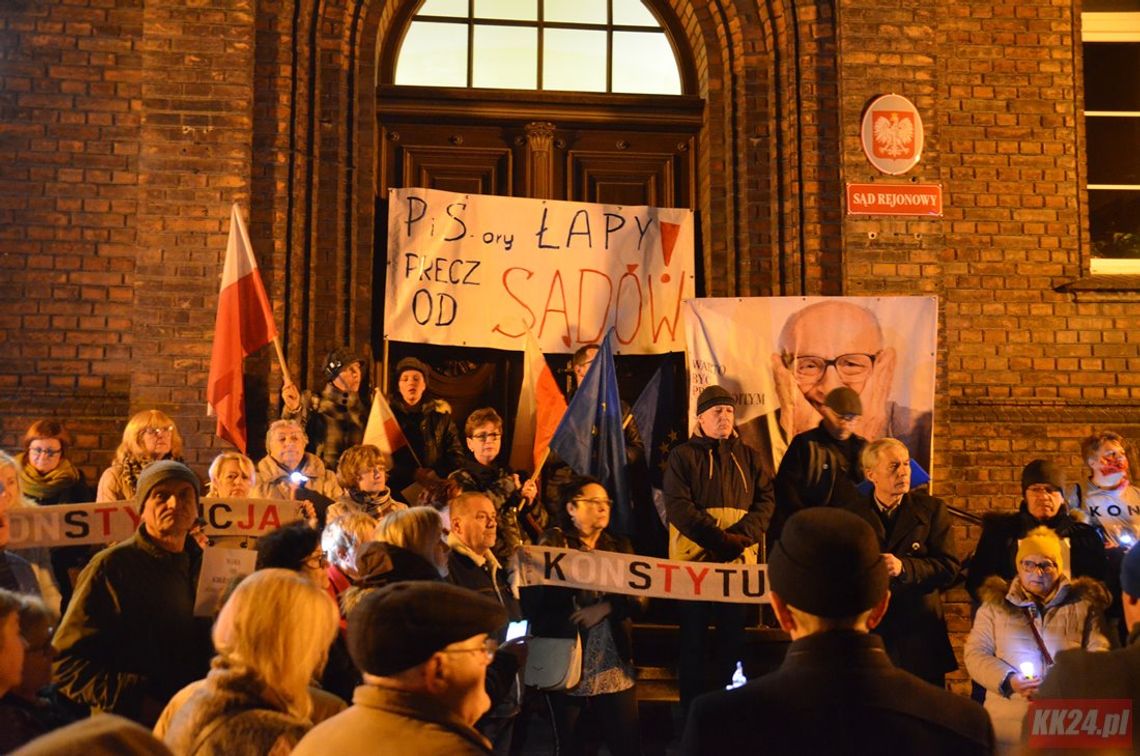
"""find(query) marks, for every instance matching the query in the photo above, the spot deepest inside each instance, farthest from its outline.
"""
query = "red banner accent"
(894, 199)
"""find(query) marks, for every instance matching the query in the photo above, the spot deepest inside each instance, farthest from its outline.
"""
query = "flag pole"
(288, 380)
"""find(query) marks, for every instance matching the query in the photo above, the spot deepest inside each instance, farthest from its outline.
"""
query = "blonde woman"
(150, 435)
(232, 475)
(20, 561)
(272, 637)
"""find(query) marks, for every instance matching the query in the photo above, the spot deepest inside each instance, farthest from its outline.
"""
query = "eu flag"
(590, 439)
(656, 415)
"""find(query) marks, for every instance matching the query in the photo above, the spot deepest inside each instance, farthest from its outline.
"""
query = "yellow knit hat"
(1041, 542)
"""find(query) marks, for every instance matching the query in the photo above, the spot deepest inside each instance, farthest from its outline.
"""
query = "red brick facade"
(127, 127)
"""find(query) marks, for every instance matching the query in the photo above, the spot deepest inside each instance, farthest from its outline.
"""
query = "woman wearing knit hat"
(1042, 504)
(1023, 624)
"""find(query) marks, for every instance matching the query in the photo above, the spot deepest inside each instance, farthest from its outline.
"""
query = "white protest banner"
(780, 356)
(220, 568)
(80, 524)
(478, 271)
(634, 575)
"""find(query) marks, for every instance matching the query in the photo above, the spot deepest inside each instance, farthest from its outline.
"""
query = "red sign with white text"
(1080, 723)
(894, 199)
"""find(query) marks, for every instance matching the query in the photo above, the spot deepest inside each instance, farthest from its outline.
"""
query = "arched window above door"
(609, 46)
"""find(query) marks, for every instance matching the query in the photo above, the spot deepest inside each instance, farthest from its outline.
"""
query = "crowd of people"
(380, 615)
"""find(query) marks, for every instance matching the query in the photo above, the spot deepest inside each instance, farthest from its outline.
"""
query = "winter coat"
(325, 705)
(481, 573)
(549, 608)
(234, 714)
(836, 693)
(375, 505)
(1001, 639)
(996, 552)
(63, 485)
(333, 421)
(431, 433)
(273, 479)
(383, 720)
(713, 487)
(817, 470)
(919, 534)
(130, 631)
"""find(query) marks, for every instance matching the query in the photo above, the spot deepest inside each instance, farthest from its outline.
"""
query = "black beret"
(828, 563)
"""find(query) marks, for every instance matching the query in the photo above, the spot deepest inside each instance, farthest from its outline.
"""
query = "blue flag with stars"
(590, 437)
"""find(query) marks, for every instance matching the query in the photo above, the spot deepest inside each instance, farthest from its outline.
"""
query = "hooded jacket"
(273, 479)
(1001, 639)
(713, 487)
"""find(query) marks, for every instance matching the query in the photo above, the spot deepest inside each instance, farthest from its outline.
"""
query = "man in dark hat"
(429, 428)
(836, 691)
(821, 466)
(423, 649)
(718, 501)
(129, 640)
(334, 420)
(1042, 504)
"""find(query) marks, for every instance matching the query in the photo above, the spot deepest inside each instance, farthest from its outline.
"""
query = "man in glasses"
(822, 466)
(831, 344)
(1042, 503)
(423, 649)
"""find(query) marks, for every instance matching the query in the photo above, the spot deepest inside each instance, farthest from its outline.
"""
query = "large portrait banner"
(479, 271)
(780, 356)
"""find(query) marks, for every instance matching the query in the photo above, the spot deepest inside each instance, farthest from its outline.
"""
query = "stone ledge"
(1103, 288)
(1093, 411)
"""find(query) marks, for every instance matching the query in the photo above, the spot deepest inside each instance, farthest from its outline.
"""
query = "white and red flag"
(244, 325)
(541, 406)
(382, 430)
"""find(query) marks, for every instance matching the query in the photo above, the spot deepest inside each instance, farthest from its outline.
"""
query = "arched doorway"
(602, 145)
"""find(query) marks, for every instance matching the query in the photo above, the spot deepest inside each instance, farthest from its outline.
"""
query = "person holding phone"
(472, 564)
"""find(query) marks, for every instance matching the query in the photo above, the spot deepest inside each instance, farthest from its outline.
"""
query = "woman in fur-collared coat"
(1023, 624)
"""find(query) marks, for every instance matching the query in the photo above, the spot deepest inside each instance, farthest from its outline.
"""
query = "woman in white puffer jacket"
(1027, 622)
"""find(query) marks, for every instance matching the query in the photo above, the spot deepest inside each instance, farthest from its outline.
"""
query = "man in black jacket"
(1042, 503)
(822, 465)
(129, 640)
(836, 692)
(918, 547)
(472, 564)
(718, 500)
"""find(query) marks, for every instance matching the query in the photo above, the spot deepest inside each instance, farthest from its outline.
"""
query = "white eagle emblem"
(894, 136)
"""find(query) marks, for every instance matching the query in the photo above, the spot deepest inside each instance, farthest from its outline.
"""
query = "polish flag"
(382, 430)
(244, 325)
(541, 406)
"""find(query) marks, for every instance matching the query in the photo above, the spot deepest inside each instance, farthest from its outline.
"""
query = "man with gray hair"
(129, 640)
(918, 548)
(836, 691)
